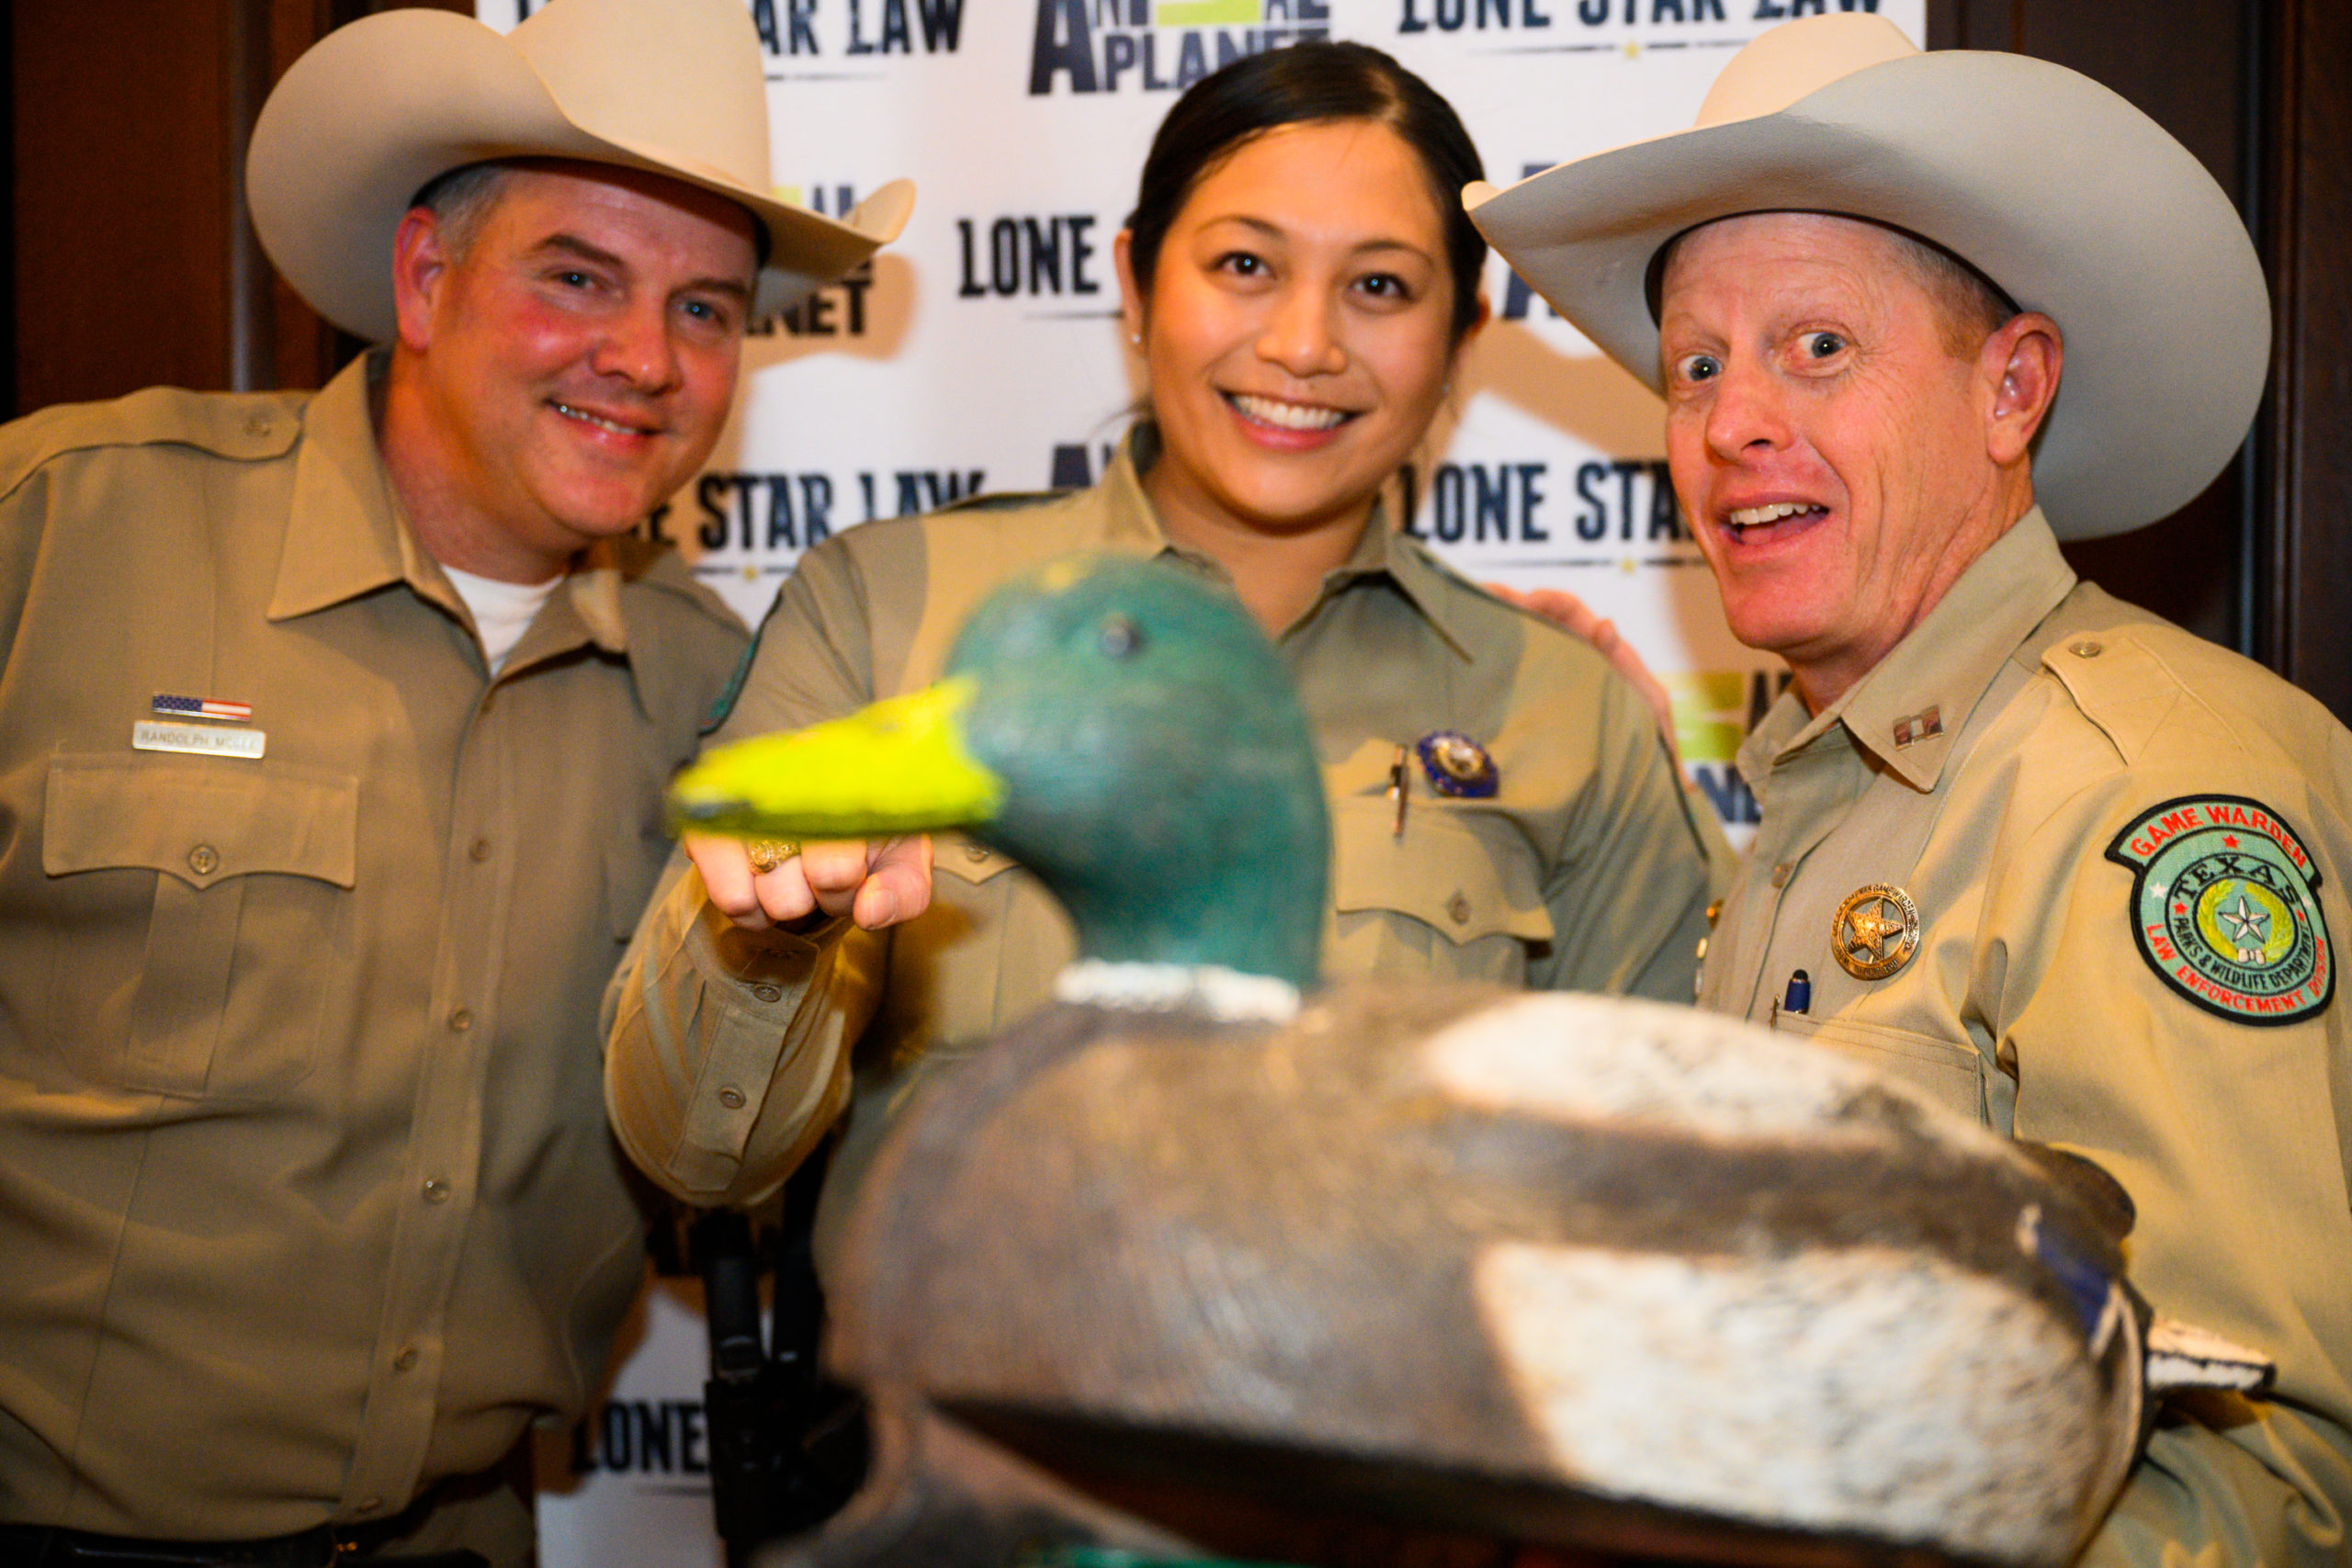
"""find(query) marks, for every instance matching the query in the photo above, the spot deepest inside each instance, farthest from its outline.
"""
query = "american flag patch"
(203, 707)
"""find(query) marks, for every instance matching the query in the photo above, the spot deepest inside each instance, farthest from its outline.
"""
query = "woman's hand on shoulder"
(1570, 614)
(876, 883)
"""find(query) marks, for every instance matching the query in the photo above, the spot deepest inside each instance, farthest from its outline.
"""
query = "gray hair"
(1972, 307)
(461, 200)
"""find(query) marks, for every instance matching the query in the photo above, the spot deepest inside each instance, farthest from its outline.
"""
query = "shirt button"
(368, 1505)
(257, 426)
(478, 850)
(1459, 908)
(405, 1362)
(436, 1190)
(1782, 872)
(732, 1098)
(460, 1019)
(768, 993)
(2088, 649)
(974, 853)
(204, 860)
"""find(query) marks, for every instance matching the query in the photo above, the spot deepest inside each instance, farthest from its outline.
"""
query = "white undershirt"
(502, 611)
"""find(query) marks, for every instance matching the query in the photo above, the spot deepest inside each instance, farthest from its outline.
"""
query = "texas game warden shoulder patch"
(2225, 907)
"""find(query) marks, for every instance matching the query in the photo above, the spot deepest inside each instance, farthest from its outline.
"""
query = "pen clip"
(1400, 786)
(1798, 1000)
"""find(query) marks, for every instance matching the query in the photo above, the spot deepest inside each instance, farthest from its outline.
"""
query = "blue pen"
(1800, 997)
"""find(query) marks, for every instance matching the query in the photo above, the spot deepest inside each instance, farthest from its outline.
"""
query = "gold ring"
(769, 853)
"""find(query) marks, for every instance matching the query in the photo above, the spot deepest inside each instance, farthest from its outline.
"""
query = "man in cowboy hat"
(332, 733)
(1916, 317)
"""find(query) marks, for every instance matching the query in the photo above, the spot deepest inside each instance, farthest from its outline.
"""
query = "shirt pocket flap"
(966, 858)
(1454, 874)
(1950, 1075)
(201, 821)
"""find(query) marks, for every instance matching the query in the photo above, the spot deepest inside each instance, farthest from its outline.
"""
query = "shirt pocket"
(969, 859)
(248, 913)
(1951, 1076)
(982, 957)
(1457, 895)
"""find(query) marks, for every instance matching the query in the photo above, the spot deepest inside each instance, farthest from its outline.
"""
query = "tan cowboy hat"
(2075, 202)
(380, 107)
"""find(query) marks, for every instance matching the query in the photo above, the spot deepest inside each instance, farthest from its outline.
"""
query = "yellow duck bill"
(900, 766)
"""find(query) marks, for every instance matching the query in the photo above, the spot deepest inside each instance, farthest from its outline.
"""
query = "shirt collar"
(343, 534)
(1905, 711)
(1380, 554)
(584, 608)
(1132, 523)
(596, 589)
(587, 607)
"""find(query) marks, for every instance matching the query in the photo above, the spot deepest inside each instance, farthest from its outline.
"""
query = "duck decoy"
(1204, 1261)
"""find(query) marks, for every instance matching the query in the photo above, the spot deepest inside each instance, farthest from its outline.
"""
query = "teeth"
(597, 420)
(1289, 416)
(1748, 517)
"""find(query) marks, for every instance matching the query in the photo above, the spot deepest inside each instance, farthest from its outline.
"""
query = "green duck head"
(1121, 727)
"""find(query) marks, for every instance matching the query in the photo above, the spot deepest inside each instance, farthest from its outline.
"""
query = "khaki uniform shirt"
(1583, 871)
(2043, 720)
(306, 1193)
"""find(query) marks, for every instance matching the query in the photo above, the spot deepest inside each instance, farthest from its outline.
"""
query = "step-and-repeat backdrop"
(982, 352)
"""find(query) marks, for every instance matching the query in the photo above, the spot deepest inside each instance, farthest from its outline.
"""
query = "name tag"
(201, 739)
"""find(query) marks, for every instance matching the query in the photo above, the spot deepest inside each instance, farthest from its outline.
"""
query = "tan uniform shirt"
(2044, 719)
(1583, 871)
(306, 1193)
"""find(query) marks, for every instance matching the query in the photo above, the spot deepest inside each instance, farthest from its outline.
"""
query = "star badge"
(1875, 931)
(2249, 925)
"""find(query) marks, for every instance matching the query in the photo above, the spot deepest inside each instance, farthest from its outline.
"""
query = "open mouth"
(1764, 522)
(1309, 417)
(597, 420)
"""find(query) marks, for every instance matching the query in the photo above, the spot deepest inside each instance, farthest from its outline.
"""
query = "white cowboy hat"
(378, 108)
(2075, 202)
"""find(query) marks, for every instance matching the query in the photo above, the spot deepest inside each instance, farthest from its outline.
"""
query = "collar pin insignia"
(1918, 726)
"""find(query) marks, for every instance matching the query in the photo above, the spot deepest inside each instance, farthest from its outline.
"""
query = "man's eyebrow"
(735, 288)
(560, 244)
(574, 245)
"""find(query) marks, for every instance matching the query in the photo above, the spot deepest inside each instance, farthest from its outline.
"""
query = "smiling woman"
(1296, 348)
(1295, 354)
(1300, 284)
